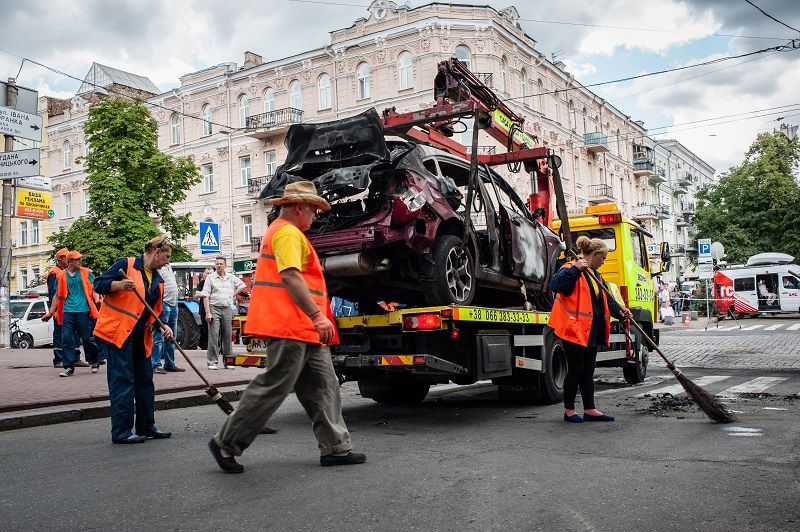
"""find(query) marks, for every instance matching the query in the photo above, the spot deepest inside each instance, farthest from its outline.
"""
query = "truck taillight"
(610, 218)
(422, 322)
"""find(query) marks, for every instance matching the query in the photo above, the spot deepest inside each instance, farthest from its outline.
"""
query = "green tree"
(755, 206)
(132, 188)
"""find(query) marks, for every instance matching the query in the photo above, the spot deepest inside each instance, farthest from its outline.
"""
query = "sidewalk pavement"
(32, 393)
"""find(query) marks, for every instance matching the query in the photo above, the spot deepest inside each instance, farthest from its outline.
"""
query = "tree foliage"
(132, 188)
(755, 207)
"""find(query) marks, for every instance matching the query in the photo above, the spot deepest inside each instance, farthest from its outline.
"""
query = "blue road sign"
(704, 247)
(209, 237)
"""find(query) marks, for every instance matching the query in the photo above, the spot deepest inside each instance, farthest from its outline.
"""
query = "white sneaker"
(95, 367)
(229, 367)
(66, 373)
(212, 366)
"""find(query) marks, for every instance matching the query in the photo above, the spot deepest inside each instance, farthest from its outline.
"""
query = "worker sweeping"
(581, 317)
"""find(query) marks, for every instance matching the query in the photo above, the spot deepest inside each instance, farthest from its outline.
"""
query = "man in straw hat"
(289, 307)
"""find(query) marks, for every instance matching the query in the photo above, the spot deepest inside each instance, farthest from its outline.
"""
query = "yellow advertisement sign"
(505, 124)
(34, 204)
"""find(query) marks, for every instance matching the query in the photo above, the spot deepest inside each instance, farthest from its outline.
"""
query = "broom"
(709, 404)
(210, 390)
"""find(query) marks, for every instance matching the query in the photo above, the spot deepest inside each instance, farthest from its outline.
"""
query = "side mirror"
(666, 260)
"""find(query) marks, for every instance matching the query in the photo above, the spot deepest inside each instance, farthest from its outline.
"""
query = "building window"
(523, 81)
(207, 129)
(34, 232)
(67, 155)
(462, 54)
(86, 202)
(23, 233)
(247, 229)
(208, 177)
(270, 162)
(406, 71)
(244, 170)
(87, 148)
(35, 275)
(363, 81)
(324, 90)
(556, 106)
(269, 100)
(573, 116)
(23, 278)
(175, 128)
(67, 204)
(577, 169)
(295, 96)
(244, 110)
(503, 74)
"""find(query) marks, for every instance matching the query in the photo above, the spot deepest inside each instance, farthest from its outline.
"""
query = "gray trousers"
(220, 327)
(291, 365)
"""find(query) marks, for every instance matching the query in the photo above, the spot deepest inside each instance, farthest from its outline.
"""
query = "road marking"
(753, 327)
(678, 389)
(743, 432)
(648, 382)
(757, 385)
(722, 329)
(773, 327)
(793, 327)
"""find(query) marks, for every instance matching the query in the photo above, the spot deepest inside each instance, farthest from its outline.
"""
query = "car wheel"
(25, 341)
(454, 273)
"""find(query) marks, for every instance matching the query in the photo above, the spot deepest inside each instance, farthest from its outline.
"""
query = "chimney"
(252, 60)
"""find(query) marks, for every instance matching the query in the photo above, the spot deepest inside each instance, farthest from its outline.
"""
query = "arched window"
(324, 91)
(67, 154)
(573, 117)
(295, 96)
(523, 82)
(363, 81)
(207, 117)
(504, 74)
(269, 100)
(244, 110)
(405, 71)
(175, 128)
(463, 54)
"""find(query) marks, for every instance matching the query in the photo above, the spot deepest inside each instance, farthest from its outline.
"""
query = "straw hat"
(301, 192)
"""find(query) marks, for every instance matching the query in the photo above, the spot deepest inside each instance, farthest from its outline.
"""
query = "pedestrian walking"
(75, 308)
(219, 300)
(289, 307)
(169, 316)
(52, 285)
(581, 317)
(125, 331)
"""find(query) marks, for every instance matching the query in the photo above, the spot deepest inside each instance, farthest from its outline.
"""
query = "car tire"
(403, 392)
(454, 281)
(636, 373)
(24, 341)
(188, 333)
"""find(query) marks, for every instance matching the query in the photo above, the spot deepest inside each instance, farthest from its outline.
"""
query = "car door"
(790, 295)
(41, 331)
(746, 294)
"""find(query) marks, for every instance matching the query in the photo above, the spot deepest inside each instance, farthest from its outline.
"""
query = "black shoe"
(103, 362)
(133, 438)
(157, 435)
(229, 465)
(349, 459)
(268, 430)
(174, 369)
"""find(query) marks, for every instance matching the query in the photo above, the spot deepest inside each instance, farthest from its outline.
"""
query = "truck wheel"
(554, 364)
(635, 373)
(394, 391)
(454, 280)
(188, 334)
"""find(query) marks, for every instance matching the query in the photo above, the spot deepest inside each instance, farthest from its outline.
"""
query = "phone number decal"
(500, 316)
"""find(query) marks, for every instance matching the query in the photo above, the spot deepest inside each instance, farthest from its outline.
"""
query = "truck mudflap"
(416, 363)
(247, 361)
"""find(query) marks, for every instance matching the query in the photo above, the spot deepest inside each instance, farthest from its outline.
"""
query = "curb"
(81, 413)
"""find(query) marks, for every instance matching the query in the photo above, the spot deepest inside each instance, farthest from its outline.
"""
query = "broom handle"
(161, 324)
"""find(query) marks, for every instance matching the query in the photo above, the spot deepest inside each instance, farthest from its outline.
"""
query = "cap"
(73, 255)
(63, 252)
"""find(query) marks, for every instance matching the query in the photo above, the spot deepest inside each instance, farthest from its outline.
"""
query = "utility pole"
(5, 233)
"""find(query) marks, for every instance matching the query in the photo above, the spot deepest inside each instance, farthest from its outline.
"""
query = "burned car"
(397, 229)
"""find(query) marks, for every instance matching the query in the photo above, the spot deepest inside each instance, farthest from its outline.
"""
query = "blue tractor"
(189, 333)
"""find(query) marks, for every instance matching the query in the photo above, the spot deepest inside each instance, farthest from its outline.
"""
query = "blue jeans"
(56, 343)
(130, 387)
(169, 315)
(74, 327)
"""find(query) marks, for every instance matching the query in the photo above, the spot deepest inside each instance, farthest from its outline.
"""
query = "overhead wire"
(770, 16)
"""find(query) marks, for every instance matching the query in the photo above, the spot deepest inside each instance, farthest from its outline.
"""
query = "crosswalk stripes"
(678, 388)
(729, 328)
(793, 327)
(774, 327)
(753, 327)
(757, 385)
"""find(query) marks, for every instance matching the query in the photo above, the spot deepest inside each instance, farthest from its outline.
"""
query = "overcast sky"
(164, 39)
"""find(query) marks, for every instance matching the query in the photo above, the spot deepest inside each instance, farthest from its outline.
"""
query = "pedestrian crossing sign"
(209, 237)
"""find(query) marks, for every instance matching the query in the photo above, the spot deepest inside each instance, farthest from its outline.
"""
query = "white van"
(28, 315)
(767, 284)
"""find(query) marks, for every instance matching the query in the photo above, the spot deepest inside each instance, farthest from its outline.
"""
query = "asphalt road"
(460, 461)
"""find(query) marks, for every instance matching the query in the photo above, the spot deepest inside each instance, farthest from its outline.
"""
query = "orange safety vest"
(272, 312)
(122, 309)
(61, 293)
(571, 317)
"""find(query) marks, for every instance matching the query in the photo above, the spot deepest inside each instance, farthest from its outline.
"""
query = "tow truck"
(395, 357)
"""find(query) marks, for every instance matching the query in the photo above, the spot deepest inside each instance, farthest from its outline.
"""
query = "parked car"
(397, 228)
(27, 314)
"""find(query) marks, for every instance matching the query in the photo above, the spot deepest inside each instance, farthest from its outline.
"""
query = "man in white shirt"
(219, 297)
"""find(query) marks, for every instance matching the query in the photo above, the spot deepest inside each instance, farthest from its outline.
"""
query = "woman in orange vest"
(581, 317)
(124, 330)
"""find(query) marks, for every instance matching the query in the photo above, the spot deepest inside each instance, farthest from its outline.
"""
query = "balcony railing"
(601, 194)
(663, 211)
(658, 177)
(646, 212)
(596, 142)
(643, 167)
(256, 184)
(685, 179)
(687, 208)
(261, 125)
(255, 244)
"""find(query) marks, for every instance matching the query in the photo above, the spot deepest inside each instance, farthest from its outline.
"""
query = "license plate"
(257, 344)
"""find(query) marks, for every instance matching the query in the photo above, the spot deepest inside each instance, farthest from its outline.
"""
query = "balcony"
(596, 142)
(255, 244)
(687, 208)
(272, 123)
(662, 211)
(643, 168)
(646, 212)
(658, 177)
(679, 189)
(691, 245)
(685, 179)
(600, 194)
(682, 222)
(256, 184)
(691, 232)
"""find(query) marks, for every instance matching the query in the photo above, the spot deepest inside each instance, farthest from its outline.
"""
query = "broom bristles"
(709, 404)
(223, 403)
